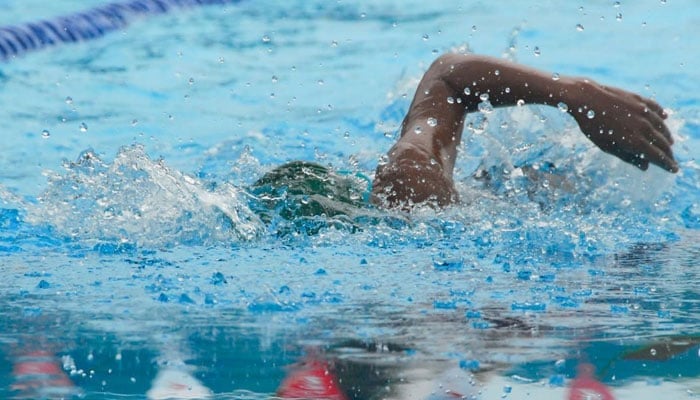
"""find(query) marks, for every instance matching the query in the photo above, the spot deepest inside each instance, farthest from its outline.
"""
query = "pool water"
(135, 266)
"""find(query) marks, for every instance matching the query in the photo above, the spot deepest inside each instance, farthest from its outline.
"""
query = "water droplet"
(418, 130)
(618, 17)
(467, 91)
(221, 60)
(45, 134)
(520, 102)
(590, 114)
(275, 79)
(555, 76)
(485, 107)
(191, 81)
(653, 352)
(432, 121)
(473, 28)
(507, 90)
(83, 127)
(134, 122)
(616, 4)
(496, 72)
(426, 37)
(69, 100)
(450, 100)
(334, 44)
(484, 96)
(579, 27)
(563, 107)
(266, 39)
(321, 82)
(537, 51)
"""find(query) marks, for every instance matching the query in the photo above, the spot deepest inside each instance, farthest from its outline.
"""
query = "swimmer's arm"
(619, 122)
(419, 166)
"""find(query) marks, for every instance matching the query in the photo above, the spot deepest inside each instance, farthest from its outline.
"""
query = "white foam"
(141, 201)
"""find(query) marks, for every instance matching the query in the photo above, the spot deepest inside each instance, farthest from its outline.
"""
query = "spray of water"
(140, 201)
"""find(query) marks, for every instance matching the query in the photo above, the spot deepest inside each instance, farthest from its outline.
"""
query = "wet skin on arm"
(420, 165)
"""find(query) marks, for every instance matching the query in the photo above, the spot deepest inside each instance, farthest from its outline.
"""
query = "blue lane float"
(86, 25)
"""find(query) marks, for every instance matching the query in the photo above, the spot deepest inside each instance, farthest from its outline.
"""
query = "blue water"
(129, 247)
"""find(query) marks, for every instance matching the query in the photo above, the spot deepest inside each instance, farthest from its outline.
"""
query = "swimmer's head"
(304, 189)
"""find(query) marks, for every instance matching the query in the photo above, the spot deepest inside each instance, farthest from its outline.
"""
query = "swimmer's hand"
(623, 124)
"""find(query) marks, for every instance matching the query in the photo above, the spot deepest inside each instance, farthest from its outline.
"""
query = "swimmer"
(420, 165)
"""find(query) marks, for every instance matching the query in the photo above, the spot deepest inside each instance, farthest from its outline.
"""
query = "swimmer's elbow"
(447, 63)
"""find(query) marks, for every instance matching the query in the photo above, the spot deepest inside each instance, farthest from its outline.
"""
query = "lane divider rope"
(86, 25)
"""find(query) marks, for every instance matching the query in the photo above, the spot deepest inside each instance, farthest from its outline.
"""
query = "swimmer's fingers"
(659, 126)
(636, 160)
(647, 108)
(658, 147)
(634, 141)
(650, 104)
(658, 135)
(663, 159)
(655, 107)
(645, 152)
(626, 125)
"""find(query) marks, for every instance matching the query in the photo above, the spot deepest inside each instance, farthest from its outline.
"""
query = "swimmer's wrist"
(576, 95)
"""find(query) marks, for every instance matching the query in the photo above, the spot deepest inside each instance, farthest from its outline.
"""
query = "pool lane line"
(86, 25)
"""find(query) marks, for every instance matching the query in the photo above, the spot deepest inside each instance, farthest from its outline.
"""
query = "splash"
(139, 201)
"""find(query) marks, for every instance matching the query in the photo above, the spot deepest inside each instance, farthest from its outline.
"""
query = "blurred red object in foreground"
(38, 375)
(311, 379)
(585, 386)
